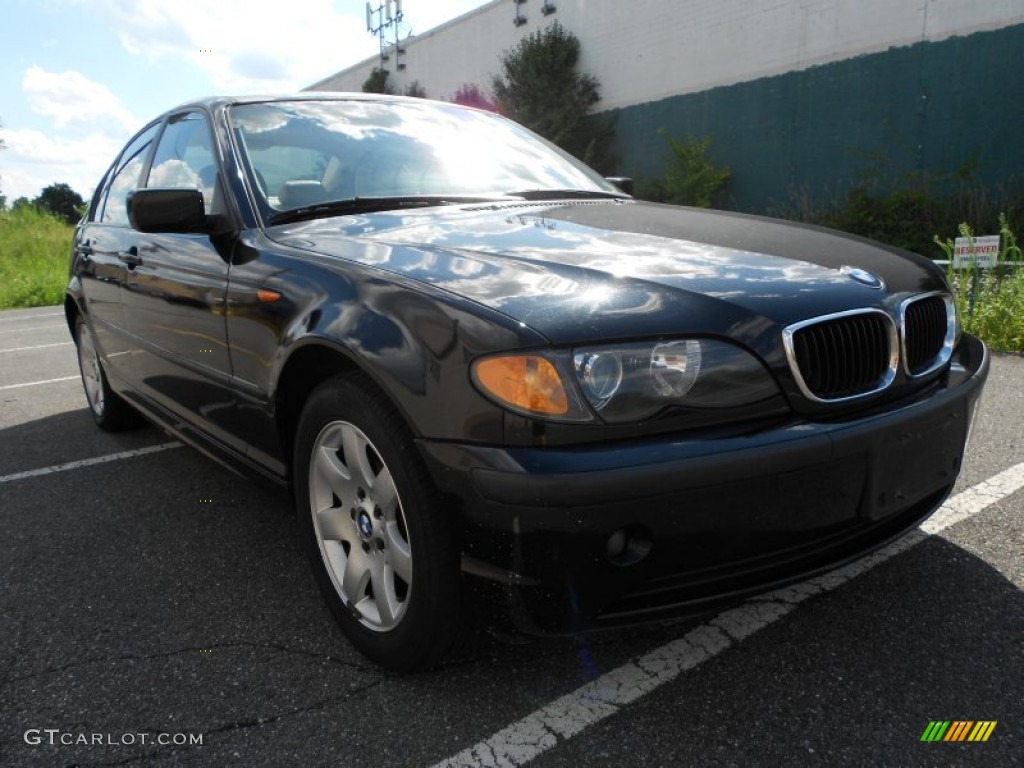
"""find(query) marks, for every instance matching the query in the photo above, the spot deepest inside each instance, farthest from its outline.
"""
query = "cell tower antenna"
(386, 17)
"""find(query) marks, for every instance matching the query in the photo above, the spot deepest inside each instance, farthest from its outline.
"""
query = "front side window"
(125, 177)
(184, 159)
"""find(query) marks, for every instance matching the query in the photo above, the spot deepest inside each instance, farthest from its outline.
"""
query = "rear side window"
(125, 177)
(184, 159)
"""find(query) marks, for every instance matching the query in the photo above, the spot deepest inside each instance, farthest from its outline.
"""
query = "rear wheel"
(108, 409)
(384, 552)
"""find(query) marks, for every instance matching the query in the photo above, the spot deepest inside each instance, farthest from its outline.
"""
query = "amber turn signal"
(526, 382)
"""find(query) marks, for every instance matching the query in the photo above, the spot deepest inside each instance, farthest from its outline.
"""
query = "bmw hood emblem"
(862, 276)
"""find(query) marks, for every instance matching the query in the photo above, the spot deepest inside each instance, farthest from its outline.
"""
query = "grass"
(998, 313)
(34, 252)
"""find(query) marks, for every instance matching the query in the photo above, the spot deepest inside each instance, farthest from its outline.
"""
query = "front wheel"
(384, 552)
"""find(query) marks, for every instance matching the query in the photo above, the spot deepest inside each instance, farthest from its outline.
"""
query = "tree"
(470, 95)
(377, 82)
(416, 90)
(541, 88)
(691, 176)
(61, 200)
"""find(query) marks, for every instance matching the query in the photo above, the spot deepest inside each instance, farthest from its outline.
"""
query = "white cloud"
(40, 148)
(243, 46)
(73, 101)
(249, 46)
(90, 125)
(34, 159)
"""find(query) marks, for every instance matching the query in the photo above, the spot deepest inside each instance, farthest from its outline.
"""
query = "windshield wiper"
(567, 194)
(376, 204)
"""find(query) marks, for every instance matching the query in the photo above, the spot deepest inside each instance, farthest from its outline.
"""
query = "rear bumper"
(706, 521)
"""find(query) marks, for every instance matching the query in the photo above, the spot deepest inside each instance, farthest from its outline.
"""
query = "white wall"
(645, 50)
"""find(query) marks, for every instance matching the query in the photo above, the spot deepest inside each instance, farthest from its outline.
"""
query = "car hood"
(586, 270)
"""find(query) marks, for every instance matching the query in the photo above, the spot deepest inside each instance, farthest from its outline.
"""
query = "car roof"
(213, 102)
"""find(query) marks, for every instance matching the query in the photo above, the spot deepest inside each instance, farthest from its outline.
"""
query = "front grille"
(926, 333)
(842, 356)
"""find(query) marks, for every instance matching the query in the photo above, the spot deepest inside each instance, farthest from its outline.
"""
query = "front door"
(175, 292)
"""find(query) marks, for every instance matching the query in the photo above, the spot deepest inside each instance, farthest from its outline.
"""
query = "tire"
(110, 412)
(385, 554)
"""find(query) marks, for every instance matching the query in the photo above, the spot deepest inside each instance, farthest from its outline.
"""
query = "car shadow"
(65, 437)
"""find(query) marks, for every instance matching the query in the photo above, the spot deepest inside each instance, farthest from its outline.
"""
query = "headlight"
(623, 383)
(632, 382)
(600, 375)
(674, 367)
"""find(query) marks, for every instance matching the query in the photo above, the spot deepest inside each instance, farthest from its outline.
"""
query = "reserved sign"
(981, 251)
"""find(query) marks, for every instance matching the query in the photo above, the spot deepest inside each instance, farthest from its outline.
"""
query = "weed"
(991, 301)
(907, 216)
(34, 248)
(691, 177)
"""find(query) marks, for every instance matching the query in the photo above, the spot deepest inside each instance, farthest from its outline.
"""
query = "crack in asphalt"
(355, 666)
(238, 725)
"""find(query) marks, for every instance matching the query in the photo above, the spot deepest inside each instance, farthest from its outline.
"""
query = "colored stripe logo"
(959, 730)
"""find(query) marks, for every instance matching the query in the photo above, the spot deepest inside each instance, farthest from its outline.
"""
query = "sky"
(80, 77)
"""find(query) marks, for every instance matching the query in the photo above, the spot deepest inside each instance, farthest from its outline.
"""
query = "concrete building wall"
(645, 50)
(795, 93)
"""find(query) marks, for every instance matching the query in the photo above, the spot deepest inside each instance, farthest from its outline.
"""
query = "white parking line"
(9, 318)
(87, 462)
(37, 328)
(37, 383)
(564, 718)
(38, 346)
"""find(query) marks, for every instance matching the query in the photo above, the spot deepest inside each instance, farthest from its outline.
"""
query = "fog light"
(629, 545)
(617, 544)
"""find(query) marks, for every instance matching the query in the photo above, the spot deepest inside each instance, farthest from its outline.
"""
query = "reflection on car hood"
(576, 270)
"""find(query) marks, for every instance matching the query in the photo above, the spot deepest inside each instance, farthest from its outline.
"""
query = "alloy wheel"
(360, 526)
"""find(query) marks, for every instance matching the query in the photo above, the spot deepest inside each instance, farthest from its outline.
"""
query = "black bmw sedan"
(473, 360)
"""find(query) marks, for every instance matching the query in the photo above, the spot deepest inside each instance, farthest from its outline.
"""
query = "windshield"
(303, 154)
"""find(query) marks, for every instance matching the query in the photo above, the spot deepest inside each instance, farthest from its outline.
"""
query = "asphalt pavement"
(156, 609)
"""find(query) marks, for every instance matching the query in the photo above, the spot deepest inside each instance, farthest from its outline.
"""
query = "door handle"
(84, 250)
(130, 257)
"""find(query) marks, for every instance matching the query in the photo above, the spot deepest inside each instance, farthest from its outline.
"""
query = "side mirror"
(167, 210)
(622, 182)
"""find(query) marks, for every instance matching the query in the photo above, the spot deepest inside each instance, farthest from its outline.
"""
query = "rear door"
(100, 249)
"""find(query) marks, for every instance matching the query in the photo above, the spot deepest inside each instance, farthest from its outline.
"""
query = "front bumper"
(704, 521)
